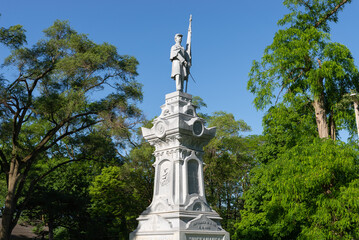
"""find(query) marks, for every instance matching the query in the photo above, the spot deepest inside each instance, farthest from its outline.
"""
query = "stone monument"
(179, 210)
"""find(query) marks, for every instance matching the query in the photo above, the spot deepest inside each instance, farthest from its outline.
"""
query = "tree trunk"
(10, 204)
(333, 129)
(321, 117)
(51, 226)
(7, 216)
(228, 208)
(356, 109)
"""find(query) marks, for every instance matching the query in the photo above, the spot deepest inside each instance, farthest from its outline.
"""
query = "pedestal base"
(179, 225)
(183, 235)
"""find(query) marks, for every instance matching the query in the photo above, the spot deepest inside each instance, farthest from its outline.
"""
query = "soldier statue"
(181, 59)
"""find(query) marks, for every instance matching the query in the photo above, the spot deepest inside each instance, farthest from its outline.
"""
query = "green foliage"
(308, 192)
(198, 101)
(73, 100)
(120, 193)
(13, 36)
(61, 199)
(302, 62)
(61, 233)
(226, 125)
(38, 228)
(313, 12)
(297, 189)
(285, 127)
(228, 158)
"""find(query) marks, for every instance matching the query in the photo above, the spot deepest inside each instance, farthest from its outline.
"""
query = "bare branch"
(336, 8)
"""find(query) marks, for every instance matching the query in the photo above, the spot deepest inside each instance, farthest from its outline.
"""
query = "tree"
(120, 193)
(297, 176)
(52, 102)
(309, 192)
(62, 200)
(13, 36)
(284, 127)
(302, 62)
(228, 158)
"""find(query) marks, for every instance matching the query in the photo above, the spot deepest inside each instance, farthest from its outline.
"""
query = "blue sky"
(227, 36)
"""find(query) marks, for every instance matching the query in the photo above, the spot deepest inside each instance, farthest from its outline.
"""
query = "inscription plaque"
(203, 223)
(204, 237)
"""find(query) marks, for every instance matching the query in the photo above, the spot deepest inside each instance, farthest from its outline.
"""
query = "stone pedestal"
(179, 210)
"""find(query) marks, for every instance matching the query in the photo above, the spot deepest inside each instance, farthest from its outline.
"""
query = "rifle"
(188, 49)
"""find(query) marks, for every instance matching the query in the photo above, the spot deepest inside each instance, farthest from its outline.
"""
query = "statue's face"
(178, 39)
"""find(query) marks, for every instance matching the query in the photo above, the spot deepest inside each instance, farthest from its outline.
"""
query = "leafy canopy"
(308, 192)
(303, 62)
(67, 87)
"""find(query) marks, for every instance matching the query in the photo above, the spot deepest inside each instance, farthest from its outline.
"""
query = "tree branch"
(121, 155)
(17, 104)
(100, 83)
(336, 8)
(306, 4)
(69, 133)
(28, 117)
(3, 163)
(279, 94)
(39, 77)
(21, 113)
(8, 106)
(41, 146)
